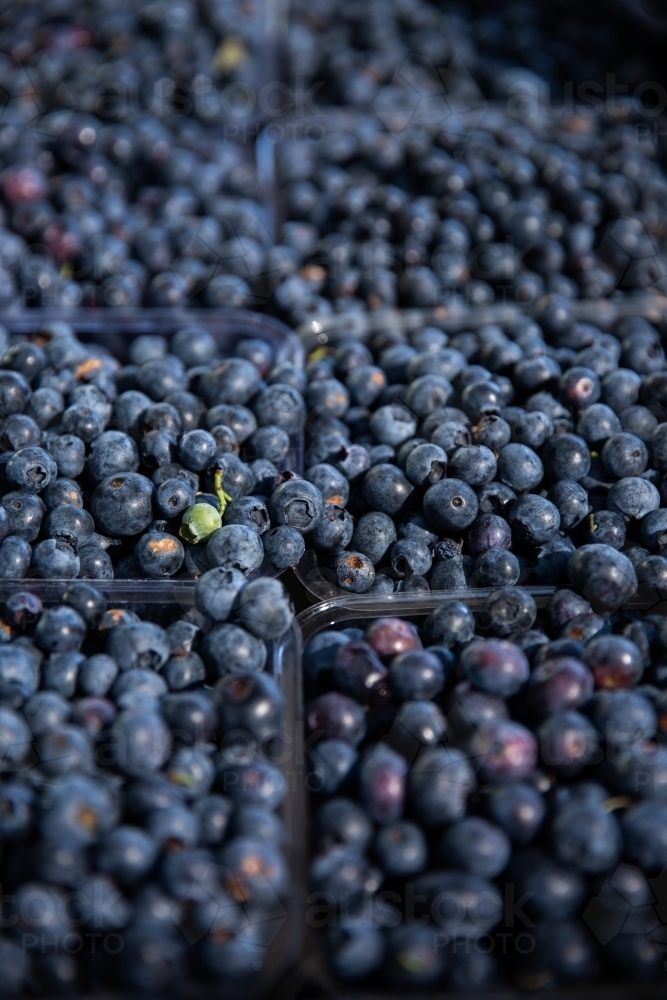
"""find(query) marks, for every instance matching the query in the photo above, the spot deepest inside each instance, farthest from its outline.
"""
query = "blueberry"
(625, 455)
(230, 649)
(615, 662)
(565, 952)
(59, 630)
(122, 504)
(110, 453)
(31, 469)
(401, 849)
(494, 665)
(354, 572)
(340, 822)
(605, 577)
(214, 812)
(496, 568)
(265, 608)
(240, 419)
(18, 809)
(440, 782)
(335, 716)
(373, 536)
(387, 490)
(559, 684)
(194, 345)
(518, 809)
(416, 674)
(235, 546)
(476, 846)
(450, 506)
(68, 452)
(566, 456)
(70, 524)
(507, 611)
(633, 498)
(334, 529)
(15, 556)
(359, 672)
(331, 483)
(253, 784)
(281, 406)
(533, 519)
(488, 531)
(568, 743)
(96, 675)
(23, 608)
(139, 741)
(95, 563)
(137, 645)
(586, 838)
(283, 546)
(172, 497)
(63, 492)
(644, 833)
(623, 717)
(297, 504)
(519, 467)
(556, 891)
(252, 702)
(604, 528)
(331, 763)
(217, 591)
(82, 811)
(382, 776)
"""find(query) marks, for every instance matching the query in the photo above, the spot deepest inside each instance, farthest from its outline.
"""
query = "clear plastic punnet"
(115, 329)
(165, 604)
(323, 335)
(316, 976)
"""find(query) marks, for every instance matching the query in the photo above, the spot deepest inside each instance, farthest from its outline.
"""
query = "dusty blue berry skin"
(265, 609)
(112, 452)
(283, 546)
(159, 554)
(227, 648)
(173, 497)
(520, 467)
(605, 577)
(15, 556)
(216, 592)
(334, 529)
(330, 481)
(354, 572)
(55, 559)
(235, 546)
(450, 506)
(251, 511)
(122, 505)
(297, 504)
(31, 469)
(374, 535)
(387, 490)
(571, 499)
(533, 519)
(633, 498)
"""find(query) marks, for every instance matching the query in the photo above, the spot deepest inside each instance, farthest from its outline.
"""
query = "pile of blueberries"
(119, 184)
(530, 454)
(489, 803)
(142, 841)
(100, 463)
(362, 56)
(504, 204)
